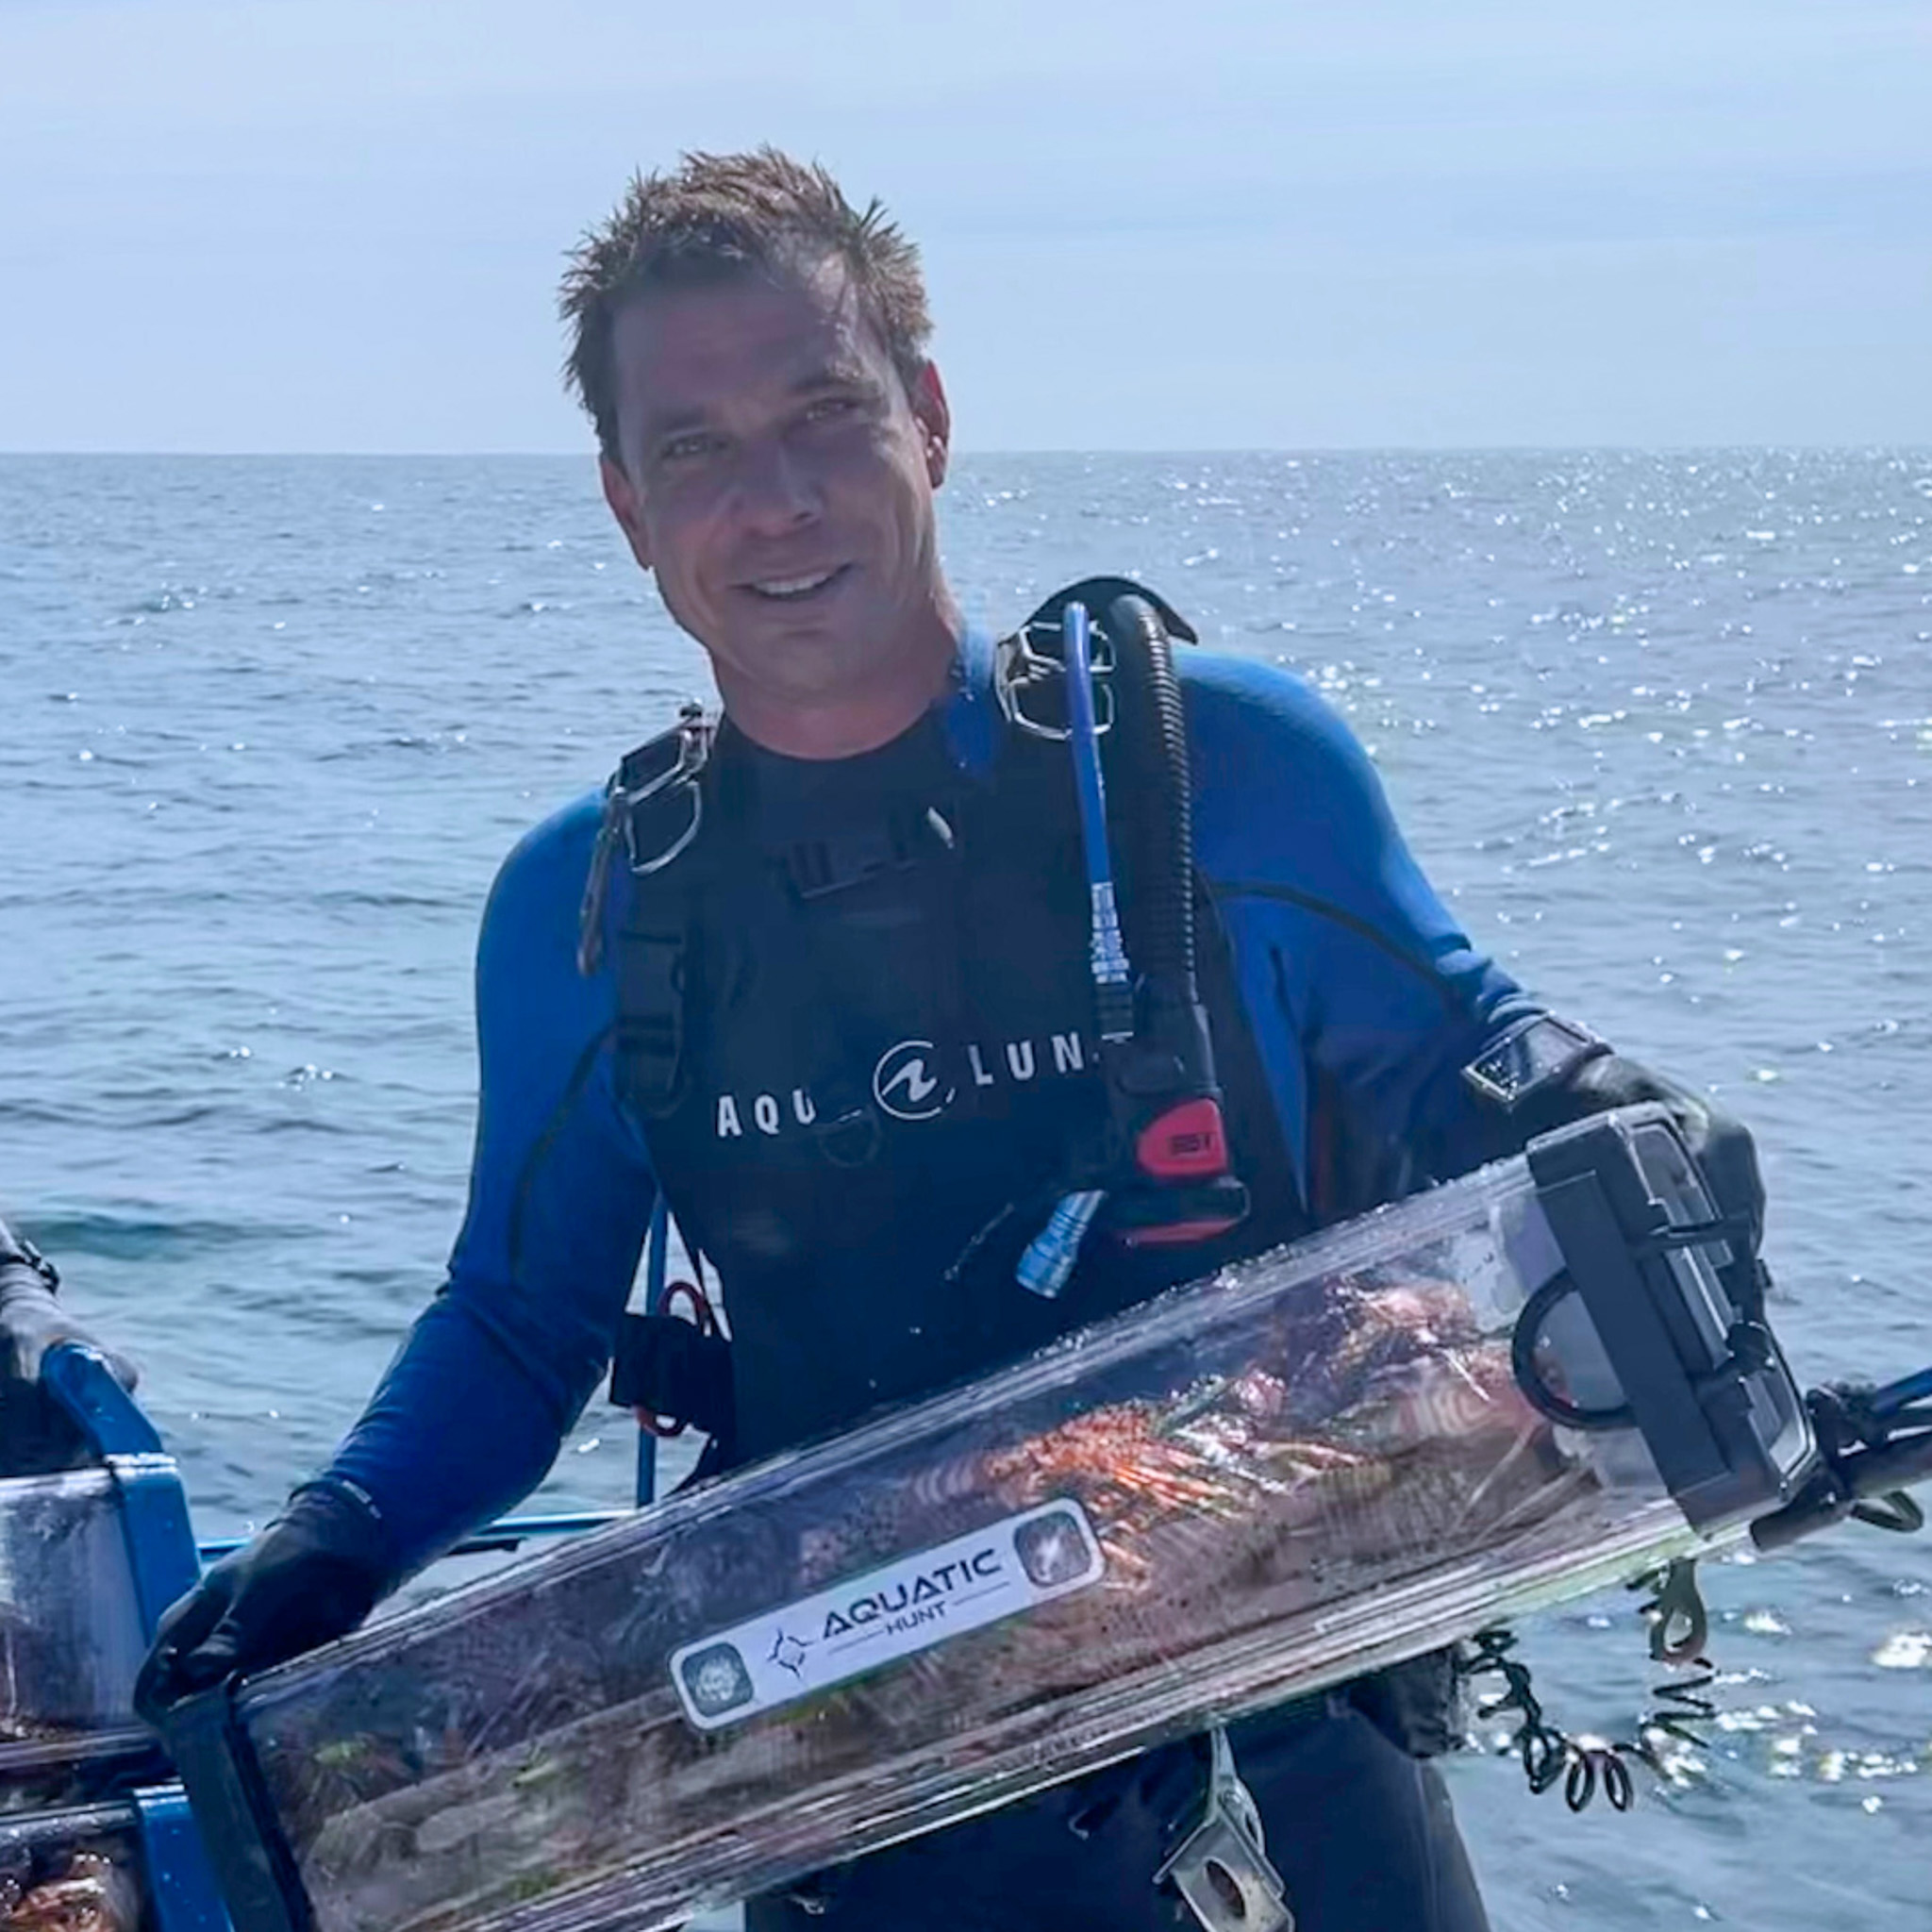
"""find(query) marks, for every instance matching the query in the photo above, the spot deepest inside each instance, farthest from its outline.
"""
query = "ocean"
(1658, 725)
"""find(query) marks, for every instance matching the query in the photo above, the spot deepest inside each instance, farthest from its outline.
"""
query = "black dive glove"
(31, 1319)
(310, 1576)
(1721, 1146)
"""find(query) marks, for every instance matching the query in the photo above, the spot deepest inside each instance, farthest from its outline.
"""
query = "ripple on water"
(1533, 644)
(132, 1237)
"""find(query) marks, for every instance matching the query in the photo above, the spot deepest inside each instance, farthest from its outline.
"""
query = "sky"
(337, 224)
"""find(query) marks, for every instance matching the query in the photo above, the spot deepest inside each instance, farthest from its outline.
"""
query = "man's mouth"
(796, 589)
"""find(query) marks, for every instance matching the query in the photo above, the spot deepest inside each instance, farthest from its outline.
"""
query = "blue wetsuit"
(1362, 1002)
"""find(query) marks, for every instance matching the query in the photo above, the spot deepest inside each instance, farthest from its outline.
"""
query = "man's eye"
(829, 409)
(683, 448)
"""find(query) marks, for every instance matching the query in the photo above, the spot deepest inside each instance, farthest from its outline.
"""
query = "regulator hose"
(1159, 1172)
(1156, 828)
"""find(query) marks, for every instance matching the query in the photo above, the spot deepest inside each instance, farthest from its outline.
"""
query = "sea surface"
(1659, 726)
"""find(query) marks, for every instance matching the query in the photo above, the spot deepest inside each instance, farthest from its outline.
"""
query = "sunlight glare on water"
(1660, 727)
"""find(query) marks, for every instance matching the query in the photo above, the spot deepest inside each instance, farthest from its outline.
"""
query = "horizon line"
(1333, 449)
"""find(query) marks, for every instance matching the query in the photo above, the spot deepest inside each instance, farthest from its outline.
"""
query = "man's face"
(779, 480)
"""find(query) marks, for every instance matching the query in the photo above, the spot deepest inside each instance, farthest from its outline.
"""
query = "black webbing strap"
(653, 971)
(652, 813)
(854, 856)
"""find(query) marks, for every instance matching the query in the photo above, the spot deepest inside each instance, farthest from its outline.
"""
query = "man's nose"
(776, 491)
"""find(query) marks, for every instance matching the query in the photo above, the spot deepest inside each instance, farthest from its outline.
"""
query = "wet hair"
(716, 216)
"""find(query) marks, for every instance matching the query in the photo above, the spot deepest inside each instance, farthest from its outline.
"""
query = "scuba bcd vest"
(856, 1024)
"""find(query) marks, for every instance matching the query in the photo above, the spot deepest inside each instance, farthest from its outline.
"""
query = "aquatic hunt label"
(905, 1606)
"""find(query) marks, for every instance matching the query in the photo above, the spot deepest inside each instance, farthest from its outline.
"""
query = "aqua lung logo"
(904, 1083)
(911, 1082)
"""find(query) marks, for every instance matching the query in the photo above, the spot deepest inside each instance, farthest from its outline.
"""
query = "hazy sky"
(337, 224)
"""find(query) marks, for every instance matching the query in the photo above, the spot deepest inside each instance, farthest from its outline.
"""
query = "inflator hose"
(1158, 829)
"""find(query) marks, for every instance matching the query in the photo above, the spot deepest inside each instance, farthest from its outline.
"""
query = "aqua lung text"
(912, 1080)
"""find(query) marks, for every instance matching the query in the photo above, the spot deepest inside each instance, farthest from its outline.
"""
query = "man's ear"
(935, 419)
(625, 506)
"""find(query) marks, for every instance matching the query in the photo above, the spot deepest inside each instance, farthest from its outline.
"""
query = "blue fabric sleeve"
(495, 1372)
(1363, 991)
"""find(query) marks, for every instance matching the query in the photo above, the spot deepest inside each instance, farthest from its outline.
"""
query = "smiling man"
(817, 975)
(775, 467)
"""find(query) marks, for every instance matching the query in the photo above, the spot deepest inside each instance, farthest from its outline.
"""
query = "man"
(811, 1006)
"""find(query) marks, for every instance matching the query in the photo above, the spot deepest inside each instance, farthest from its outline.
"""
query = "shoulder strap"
(654, 967)
(654, 808)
